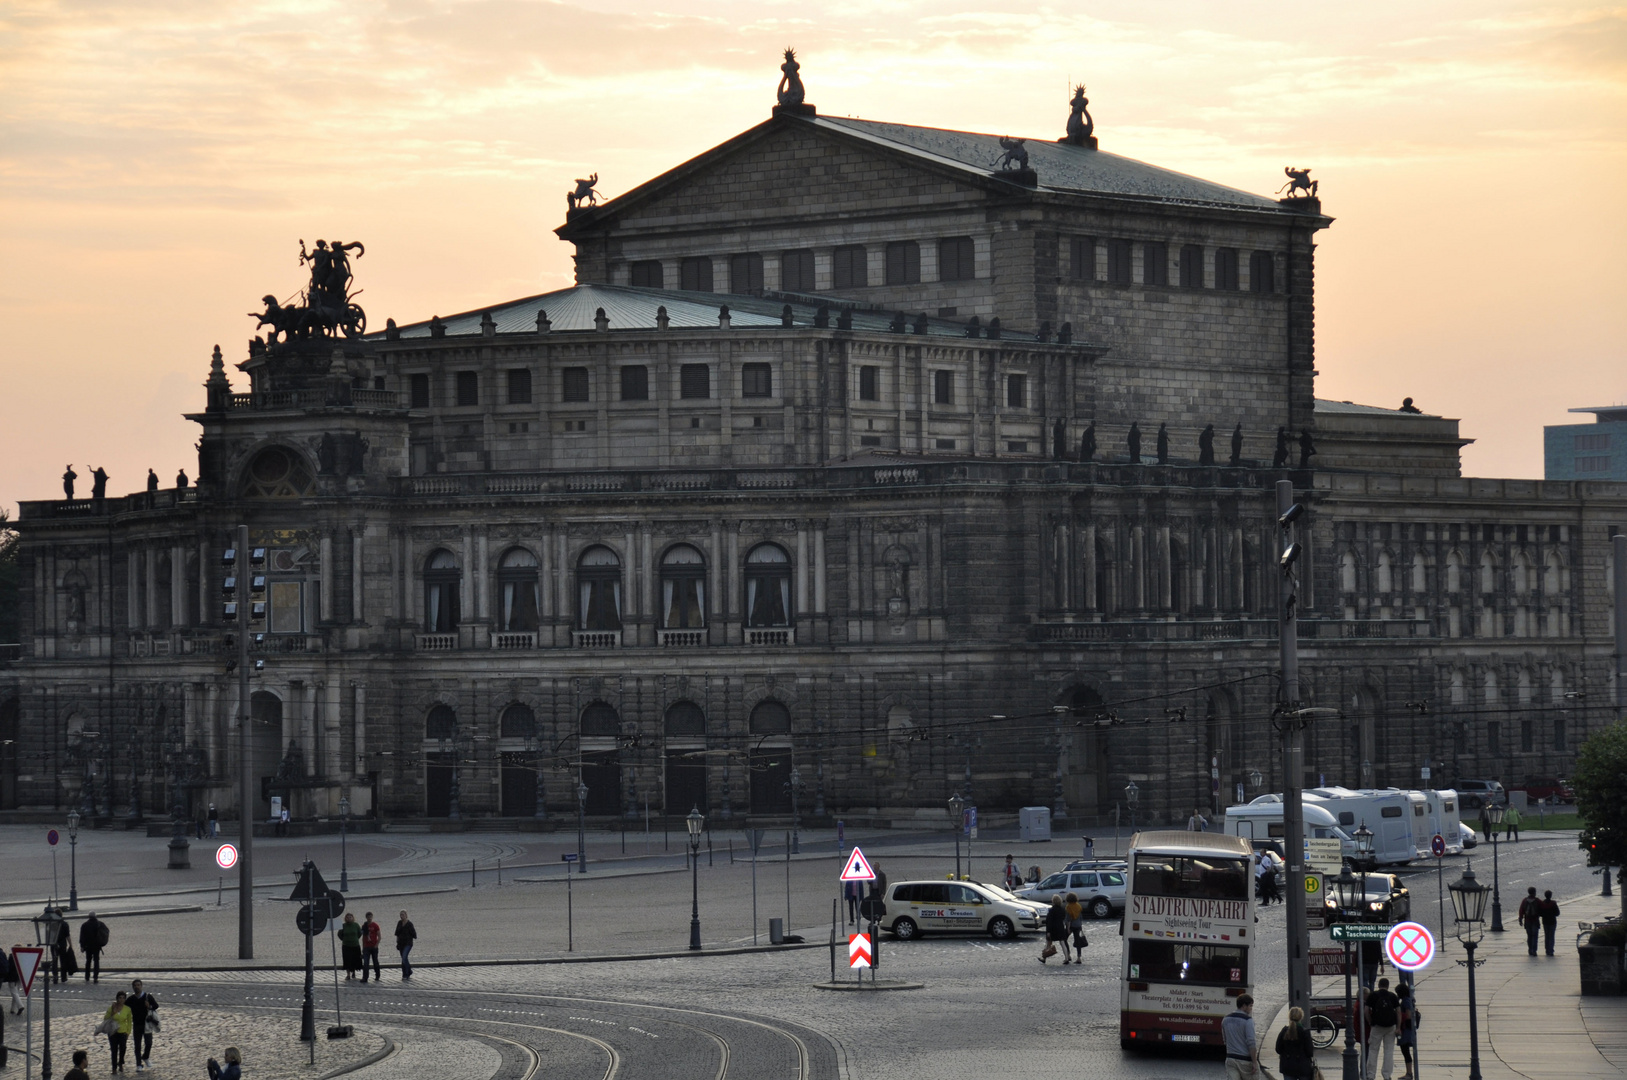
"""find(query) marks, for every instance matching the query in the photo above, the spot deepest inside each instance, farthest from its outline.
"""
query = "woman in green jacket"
(350, 941)
(119, 1037)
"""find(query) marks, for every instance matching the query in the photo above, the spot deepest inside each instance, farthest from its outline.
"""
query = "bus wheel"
(1126, 1044)
(1101, 908)
(1000, 928)
(904, 929)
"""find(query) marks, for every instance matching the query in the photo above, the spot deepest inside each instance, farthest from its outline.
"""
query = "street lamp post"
(796, 816)
(73, 860)
(46, 928)
(696, 821)
(1494, 816)
(1345, 887)
(1132, 798)
(581, 828)
(344, 860)
(957, 806)
(1469, 909)
(1364, 854)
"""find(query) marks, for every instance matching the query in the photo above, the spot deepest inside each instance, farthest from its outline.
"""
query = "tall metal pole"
(245, 729)
(1618, 544)
(1496, 887)
(1293, 764)
(1474, 1020)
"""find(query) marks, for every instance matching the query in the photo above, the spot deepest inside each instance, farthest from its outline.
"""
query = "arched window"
(1550, 574)
(600, 720)
(277, 473)
(770, 760)
(685, 720)
(1522, 573)
(770, 718)
(517, 722)
(768, 586)
(441, 723)
(441, 604)
(1488, 573)
(598, 587)
(1347, 572)
(683, 589)
(1454, 572)
(517, 582)
(1386, 577)
(685, 769)
(1420, 574)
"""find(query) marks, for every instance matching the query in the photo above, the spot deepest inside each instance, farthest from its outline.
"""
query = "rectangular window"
(1593, 464)
(574, 383)
(756, 380)
(1016, 447)
(957, 259)
(1528, 740)
(746, 273)
(1593, 442)
(945, 444)
(848, 270)
(869, 384)
(468, 388)
(1082, 258)
(1016, 391)
(943, 387)
(286, 615)
(635, 383)
(1261, 272)
(1118, 262)
(1191, 266)
(869, 440)
(904, 263)
(646, 274)
(420, 391)
(519, 386)
(1494, 738)
(797, 271)
(695, 381)
(1226, 269)
(1559, 735)
(1155, 263)
(695, 274)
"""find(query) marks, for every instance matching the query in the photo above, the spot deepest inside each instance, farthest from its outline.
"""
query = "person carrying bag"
(1296, 1056)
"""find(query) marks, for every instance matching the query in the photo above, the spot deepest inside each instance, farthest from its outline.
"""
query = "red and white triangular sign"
(27, 958)
(857, 868)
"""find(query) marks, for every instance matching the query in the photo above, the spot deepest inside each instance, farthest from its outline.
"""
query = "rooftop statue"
(1080, 125)
(791, 94)
(1015, 156)
(327, 307)
(1299, 180)
(583, 195)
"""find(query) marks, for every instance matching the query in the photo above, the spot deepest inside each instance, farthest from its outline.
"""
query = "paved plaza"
(497, 994)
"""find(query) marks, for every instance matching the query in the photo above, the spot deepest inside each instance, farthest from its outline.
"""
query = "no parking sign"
(1409, 946)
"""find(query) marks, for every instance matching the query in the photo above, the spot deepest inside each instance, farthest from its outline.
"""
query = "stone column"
(132, 589)
(357, 534)
(203, 583)
(360, 722)
(819, 561)
(177, 586)
(150, 570)
(802, 568)
(325, 582)
(331, 761)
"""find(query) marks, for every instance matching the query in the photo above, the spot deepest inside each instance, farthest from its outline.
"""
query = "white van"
(1387, 812)
(1262, 820)
(1435, 812)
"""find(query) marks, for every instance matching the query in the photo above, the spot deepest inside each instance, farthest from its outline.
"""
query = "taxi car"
(913, 908)
(1100, 889)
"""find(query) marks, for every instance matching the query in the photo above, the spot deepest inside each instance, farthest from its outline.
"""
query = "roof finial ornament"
(793, 98)
(1080, 125)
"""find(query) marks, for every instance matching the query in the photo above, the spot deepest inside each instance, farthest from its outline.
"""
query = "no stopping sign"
(1409, 946)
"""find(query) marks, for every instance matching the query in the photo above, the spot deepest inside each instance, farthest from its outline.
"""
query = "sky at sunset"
(160, 160)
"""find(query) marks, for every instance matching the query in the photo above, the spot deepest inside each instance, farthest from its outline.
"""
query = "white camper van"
(1262, 820)
(1387, 812)
(1443, 816)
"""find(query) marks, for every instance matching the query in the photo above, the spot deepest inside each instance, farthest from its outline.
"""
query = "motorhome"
(1435, 813)
(1387, 812)
(1262, 820)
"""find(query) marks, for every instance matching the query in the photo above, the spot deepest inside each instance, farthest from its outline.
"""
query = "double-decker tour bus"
(1188, 929)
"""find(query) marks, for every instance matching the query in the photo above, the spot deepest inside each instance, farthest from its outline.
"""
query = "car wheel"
(1000, 928)
(1101, 908)
(905, 929)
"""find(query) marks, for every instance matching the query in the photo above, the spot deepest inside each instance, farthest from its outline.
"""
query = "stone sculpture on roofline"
(792, 96)
(327, 308)
(583, 195)
(1299, 185)
(1080, 125)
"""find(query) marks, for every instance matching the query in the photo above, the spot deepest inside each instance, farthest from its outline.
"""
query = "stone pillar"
(360, 728)
(150, 572)
(819, 561)
(357, 533)
(204, 614)
(324, 611)
(802, 568)
(132, 589)
(331, 761)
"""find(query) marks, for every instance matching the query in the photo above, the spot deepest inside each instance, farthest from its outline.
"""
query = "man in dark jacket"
(1549, 910)
(62, 950)
(92, 940)
(405, 935)
(81, 1061)
(1530, 918)
(142, 1007)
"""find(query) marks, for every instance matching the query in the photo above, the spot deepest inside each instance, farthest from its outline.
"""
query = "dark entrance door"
(519, 786)
(770, 781)
(10, 729)
(686, 784)
(438, 785)
(602, 775)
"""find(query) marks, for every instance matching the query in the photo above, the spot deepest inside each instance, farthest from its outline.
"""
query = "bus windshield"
(1202, 876)
(1201, 965)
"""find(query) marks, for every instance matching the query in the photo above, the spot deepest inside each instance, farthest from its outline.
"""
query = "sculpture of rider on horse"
(327, 308)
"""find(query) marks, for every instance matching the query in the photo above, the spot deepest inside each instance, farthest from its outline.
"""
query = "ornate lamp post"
(1364, 855)
(73, 860)
(1132, 799)
(957, 806)
(45, 933)
(1494, 816)
(344, 861)
(581, 828)
(1469, 909)
(1350, 893)
(1255, 779)
(696, 821)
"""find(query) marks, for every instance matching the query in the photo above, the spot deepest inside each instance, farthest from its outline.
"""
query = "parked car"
(1473, 794)
(912, 908)
(1470, 837)
(1100, 890)
(1388, 901)
(1548, 787)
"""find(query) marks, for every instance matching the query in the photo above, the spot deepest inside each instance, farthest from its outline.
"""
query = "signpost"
(226, 856)
(1322, 855)
(570, 910)
(1358, 932)
(28, 958)
(857, 868)
(1409, 946)
(1315, 901)
(52, 838)
(1437, 847)
(1328, 961)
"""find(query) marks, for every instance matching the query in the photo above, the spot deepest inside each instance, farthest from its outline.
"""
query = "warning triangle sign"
(27, 958)
(858, 868)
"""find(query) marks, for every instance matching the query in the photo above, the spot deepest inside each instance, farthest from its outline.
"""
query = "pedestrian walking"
(1296, 1056)
(93, 938)
(214, 821)
(199, 826)
(1511, 825)
(1406, 1032)
(1076, 929)
(350, 944)
(1262, 869)
(1383, 1012)
(1056, 927)
(1549, 911)
(1486, 827)
(1273, 888)
(8, 969)
(62, 951)
(1242, 1051)
(1011, 875)
(853, 892)
(116, 1024)
(143, 1022)
(405, 935)
(1196, 823)
(1531, 918)
(232, 1070)
(81, 1062)
(878, 887)
(370, 947)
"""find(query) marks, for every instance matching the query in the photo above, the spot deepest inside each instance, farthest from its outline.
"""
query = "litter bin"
(1034, 823)
(776, 931)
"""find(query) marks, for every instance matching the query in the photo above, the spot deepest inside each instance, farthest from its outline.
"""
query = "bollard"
(1606, 876)
(471, 873)
(220, 885)
(499, 871)
(776, 931)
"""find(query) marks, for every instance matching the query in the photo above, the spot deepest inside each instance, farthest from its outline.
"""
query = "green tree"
(1601, 800)
(10, 600)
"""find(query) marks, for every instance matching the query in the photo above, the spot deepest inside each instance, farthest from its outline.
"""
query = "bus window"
(1204, 877)
(1205, 965)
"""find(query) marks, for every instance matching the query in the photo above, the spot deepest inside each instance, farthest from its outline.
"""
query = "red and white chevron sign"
(858, 951)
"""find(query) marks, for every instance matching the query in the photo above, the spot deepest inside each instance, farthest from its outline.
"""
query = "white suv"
(1101, 891)
(917, 907)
